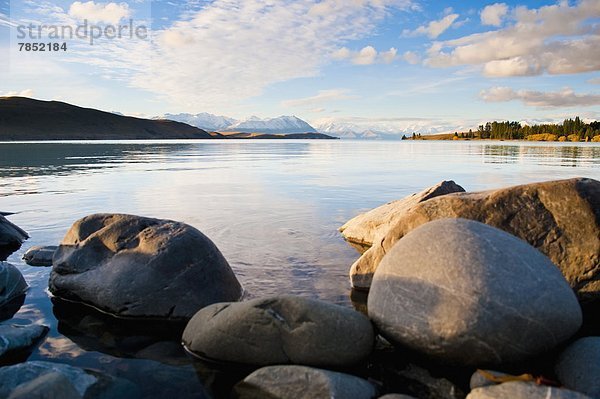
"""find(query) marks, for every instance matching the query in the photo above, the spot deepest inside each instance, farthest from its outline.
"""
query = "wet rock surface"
(12, 284)
(11, 237)
(524, 390)
(40, 255)
(16, 338)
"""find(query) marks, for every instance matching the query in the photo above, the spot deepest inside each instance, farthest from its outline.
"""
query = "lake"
(271, 206)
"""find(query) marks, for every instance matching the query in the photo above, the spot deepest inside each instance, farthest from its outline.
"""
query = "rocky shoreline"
(470, 295)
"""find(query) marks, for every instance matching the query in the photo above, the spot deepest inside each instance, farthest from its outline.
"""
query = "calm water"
(272, 207)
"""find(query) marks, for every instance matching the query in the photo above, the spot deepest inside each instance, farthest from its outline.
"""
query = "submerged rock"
(25, 378)
(40, 255)
(283, 382)
(470, 294)
(16, 338)
(280, 330)
(11, 237)
(560, 218)
(365, 228)
(12, 283)
(137, 267)
(523, 390)
(51, 386)
(578, 367)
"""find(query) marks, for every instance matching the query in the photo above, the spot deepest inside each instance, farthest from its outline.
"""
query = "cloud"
(594, 81)
(110, 13)
(411, 57)
(22, 93)
(434, 28)
(556, 39)
(323, 96)
(493, 14)
(366, 56)
(564, 98)
(235, 48)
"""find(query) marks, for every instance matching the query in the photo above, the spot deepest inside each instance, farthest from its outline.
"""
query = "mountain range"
(210, 122)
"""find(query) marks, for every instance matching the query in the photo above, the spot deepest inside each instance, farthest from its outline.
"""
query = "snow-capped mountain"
(358, 128)
(210, 122)
(281, 124)
(203, 120)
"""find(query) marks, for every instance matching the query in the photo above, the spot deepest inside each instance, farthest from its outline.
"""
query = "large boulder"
(280, 330)
(12, 283)
(284, 382)
(11, 237)
(560, 218)
(578, 367)
(470, 294)
(40, 255)
(365, 228)
(26, 379)
(523, 390)
(137, 267)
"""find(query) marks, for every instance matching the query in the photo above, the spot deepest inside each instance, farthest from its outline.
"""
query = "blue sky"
(386, 65)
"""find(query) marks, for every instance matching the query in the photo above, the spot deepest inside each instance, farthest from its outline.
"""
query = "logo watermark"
(83, 31)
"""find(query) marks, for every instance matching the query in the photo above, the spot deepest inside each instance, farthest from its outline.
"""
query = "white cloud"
(564, 98)
(368, 55)
(110, 13)
(434, 28)
(22, 93)
(557, 39)
(411, 57)
(235, 48)
(493, 14)
(594, 81)
(324, 96)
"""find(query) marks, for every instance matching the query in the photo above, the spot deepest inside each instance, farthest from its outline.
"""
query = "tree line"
(568, 130)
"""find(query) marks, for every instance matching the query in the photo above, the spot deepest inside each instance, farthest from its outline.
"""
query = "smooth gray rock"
(12, 283)
(280, 330)
(11, 237)
(470, 294)
(137, 267)
(299, 382)
(578, 366)
(40, 255)
(89, 384)
(47, 386)
(15, 338)
(523, 390)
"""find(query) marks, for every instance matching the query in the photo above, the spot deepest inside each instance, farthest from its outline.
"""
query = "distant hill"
(28, 119)
(279, 125)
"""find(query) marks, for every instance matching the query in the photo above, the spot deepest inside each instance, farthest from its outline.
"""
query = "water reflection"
(272, 208)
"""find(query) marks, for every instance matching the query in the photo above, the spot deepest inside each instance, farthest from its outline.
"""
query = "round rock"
(137, 267)
(16, 338)
(12, 283)
(280, 330)
(578, 367)
(470, 294)
(283, 382)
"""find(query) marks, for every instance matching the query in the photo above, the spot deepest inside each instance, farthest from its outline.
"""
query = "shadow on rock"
(10, 308)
